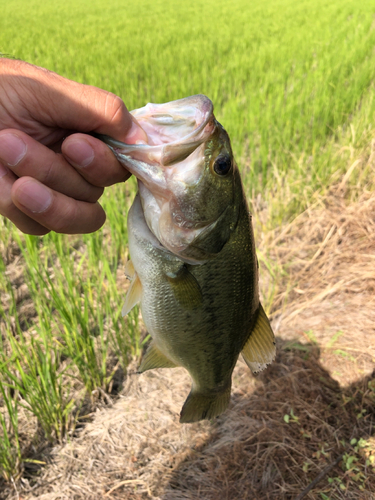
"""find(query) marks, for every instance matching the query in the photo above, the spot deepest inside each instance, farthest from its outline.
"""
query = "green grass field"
(293, 84)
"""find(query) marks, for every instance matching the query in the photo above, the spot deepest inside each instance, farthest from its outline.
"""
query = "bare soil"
(306, 412)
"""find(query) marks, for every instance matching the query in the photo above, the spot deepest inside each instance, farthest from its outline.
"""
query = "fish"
(193, 266)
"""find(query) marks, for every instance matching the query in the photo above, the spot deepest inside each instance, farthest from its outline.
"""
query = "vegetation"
(293, 84)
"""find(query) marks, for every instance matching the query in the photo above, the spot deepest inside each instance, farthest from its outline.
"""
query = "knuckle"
(116, 109)
(7, 208)
(24, 223)
(48, 172)
(77, 217)
(94, 194)
(64, 221)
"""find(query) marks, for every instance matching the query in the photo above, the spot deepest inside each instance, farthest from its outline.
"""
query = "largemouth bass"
(193, 265)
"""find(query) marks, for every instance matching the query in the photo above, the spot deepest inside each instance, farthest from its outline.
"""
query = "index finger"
(93, 160)
(56, 102)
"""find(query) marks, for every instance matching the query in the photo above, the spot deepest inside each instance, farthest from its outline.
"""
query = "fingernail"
(12, 149)
(136, 134)
(79, 153)
(34, 196)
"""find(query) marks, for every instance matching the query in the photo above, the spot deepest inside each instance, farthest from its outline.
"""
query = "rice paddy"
(293, 84)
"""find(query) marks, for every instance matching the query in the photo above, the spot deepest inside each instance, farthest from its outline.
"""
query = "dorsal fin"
(133, 296)
(259, 350)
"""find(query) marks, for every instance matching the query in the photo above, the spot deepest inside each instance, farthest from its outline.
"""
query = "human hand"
(47, 184)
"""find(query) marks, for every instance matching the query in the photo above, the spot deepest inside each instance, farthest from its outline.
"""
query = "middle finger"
(26, 157)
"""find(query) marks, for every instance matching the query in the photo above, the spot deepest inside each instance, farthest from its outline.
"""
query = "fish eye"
(222, 164)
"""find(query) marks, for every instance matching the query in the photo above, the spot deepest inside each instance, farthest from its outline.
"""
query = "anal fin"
(259, 350)
(133, 296)
(154, 358)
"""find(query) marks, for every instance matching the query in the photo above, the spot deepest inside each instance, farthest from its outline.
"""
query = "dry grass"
(284, 427)
(329, 252)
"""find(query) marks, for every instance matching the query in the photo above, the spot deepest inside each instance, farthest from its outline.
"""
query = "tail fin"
(200, 406)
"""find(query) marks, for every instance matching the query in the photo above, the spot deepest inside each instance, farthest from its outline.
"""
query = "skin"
(51, 172)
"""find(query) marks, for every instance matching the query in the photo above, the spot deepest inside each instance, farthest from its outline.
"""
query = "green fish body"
(193, 265)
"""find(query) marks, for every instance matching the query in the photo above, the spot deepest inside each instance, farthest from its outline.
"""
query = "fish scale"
(195, 275)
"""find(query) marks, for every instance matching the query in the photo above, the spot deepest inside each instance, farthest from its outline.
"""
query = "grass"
(293, 85)
(283, 77)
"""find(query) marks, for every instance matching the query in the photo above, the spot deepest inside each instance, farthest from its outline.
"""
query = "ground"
(312, 409)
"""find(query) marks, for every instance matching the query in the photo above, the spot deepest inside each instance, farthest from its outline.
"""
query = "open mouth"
(174, 130)
(177, 122)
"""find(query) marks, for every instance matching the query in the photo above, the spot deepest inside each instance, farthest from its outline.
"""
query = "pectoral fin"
(259, 351)
(154, 358)
(133, 296)
(129, 270)
(185, 288)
